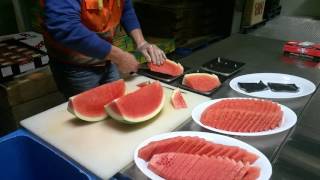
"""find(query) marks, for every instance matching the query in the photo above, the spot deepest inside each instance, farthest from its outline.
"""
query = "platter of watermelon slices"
(200, 155)
(244, 116)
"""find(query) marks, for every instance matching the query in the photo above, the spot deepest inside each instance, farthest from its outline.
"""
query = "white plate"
(289, 120)
(306, 87)
(262, 161)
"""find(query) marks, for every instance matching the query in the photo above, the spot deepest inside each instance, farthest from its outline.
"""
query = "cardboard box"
(253, 12)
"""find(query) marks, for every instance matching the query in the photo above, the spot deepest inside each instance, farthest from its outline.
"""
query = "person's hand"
(152, 53)
(125, 61)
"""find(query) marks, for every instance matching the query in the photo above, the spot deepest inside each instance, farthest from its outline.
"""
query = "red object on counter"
(305, 48)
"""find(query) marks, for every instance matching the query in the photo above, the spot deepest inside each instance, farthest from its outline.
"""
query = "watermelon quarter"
(138, 106)
(168, 67)
(89, 105)
(177, 100)
(202, 82)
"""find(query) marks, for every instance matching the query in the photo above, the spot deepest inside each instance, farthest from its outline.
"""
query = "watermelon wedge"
(138, 106)
(202, 82)
(168, 67)
(89, 105)
(177, 100)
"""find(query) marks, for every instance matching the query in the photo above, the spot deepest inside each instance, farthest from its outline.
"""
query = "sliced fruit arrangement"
(168, 67)
(189, 166)
(243, 115)
(202, 82)
(196, 146)
(138, 106)
(191, 157)
(177, 99)
(89, 105)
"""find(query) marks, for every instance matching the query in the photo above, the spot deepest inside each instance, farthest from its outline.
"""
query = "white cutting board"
(107, 146)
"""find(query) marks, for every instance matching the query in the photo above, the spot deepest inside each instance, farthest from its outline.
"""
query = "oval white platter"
(306, 87)
(262, 162)
(289, 120)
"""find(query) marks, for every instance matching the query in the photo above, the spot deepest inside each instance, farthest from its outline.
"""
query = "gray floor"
(299, 20)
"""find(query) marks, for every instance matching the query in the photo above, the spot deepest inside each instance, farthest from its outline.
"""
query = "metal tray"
(222, 66)
(208, 93)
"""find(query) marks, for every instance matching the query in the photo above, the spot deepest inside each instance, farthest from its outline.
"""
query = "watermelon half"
(138, 106)
(203, 82)
(168, 67)
(177, 100)
(89, 105)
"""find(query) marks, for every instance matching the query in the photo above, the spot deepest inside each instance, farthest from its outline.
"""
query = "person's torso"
(103, 21)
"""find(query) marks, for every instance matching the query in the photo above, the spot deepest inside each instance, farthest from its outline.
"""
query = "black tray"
(161, 77)
(221, 78)
(222, 66)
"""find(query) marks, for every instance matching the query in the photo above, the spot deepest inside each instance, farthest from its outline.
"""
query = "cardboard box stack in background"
(253, 12)
(29, 93)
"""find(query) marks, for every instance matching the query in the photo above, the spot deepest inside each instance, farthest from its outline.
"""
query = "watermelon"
(188, 166)
(177, 100)
(138, 106)
(89, 105)
(142, 84)
(168, 67)
(243, 115)
(196, 146)
(202, 82)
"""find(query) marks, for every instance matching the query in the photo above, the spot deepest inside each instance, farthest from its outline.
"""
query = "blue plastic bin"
(26, 157)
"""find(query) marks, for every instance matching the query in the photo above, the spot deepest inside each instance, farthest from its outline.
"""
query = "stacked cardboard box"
(253, 12)
(181, 20)
(25, 96)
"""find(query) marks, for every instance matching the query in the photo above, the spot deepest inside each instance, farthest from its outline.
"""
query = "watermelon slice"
(202, 82)
(142, 84)
(138, 106)
(89, 105)
(243, 115)
(177, 100)
(200, 167)
(168, 67)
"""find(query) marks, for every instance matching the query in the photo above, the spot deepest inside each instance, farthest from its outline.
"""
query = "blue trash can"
(23, 156)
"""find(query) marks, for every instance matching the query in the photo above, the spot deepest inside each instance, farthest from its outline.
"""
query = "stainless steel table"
(260, 55)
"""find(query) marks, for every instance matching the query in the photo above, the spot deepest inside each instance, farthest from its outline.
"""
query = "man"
(78, 35)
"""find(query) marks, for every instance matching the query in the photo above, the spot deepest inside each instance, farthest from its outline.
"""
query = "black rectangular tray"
(209, 93)
(161, 77)
(222, 66)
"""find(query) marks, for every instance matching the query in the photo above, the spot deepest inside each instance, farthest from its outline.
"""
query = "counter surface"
(261, 55)
(105, 147)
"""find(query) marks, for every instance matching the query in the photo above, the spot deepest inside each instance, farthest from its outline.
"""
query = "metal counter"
(261, 55)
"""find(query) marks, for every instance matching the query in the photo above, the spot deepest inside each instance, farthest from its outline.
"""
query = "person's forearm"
(137, 36)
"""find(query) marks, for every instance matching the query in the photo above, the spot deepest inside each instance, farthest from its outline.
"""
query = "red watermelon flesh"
(138, 106)
(189, 166)
(187, 145)
(202, 82)
(168, 67)
(252, 174)
(145, 83)
(89, 105)
(243, 115)
(177, 100)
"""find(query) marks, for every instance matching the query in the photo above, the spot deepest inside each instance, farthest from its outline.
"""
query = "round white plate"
(289, 120)
(262, 161)
(306, 87)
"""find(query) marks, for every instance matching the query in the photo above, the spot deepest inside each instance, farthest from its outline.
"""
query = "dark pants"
(72, 80)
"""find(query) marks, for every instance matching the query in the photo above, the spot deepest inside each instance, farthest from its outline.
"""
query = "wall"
(7, 18)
